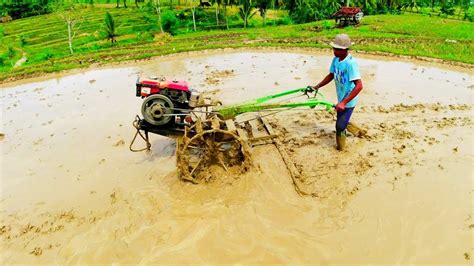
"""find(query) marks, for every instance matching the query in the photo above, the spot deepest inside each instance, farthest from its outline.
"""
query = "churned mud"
(72, 192)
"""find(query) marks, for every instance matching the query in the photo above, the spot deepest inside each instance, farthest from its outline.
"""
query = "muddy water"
(71, 191)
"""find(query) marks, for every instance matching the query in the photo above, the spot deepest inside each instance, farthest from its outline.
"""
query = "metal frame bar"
(255, 105)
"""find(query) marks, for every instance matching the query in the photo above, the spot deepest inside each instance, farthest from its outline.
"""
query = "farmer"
(345, 72)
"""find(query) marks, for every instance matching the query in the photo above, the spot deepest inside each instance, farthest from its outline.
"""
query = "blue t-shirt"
(345, 72)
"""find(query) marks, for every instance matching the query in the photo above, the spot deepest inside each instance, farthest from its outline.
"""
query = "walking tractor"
(210, 135)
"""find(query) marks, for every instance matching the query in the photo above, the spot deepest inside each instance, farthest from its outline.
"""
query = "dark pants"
(342, 121)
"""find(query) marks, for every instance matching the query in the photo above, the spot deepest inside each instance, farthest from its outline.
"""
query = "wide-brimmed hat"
(341, 41)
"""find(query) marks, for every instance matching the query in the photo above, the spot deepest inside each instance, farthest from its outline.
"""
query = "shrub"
(252, 23)
(149, 18)
(10, 52)
(184, 14)
(303, 14)
(23, 9)
(46, 55)
(95, 47)
(147, 7)
(252, 36)
(447, 8)
(200, 14)
(3, 11)
(283, 21)
(23, 41)
(169, 22)
(320, 15)
(327, 25)
(145, 36)
(369, 10)
(469, 15)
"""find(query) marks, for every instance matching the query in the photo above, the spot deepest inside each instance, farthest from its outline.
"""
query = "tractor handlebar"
(310, 89)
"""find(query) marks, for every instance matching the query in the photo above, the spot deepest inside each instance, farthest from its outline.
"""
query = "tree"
(334, 6)
(226, 3)
(25, 8)
(432, 5)
(157, 5)
(304, 12)
(368, 6)
(390, 4)
(73, 18)
(291, 5)
(109, 24)
(193, 12)
(124, 3)
(217, 3)
(411, 4)
(464, 7)
(447, 8)
(245, 11)
(263, 6)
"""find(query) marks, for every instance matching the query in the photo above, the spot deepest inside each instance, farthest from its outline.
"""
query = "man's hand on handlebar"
(310, 89)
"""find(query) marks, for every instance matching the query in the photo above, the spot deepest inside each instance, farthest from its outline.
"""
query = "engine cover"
(147, 87)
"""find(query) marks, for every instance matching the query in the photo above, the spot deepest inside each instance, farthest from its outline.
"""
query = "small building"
(348, 16)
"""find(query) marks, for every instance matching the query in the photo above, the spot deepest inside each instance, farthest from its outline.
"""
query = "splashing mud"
(71, 192)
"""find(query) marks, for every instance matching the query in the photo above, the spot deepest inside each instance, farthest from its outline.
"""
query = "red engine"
(146, 87)
(164, 99)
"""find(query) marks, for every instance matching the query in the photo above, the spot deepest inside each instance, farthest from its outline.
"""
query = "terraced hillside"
(44, 38)
(39, 44)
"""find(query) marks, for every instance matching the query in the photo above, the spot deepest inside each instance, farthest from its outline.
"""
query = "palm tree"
(110, 28)
(263, 6)
(245, 11)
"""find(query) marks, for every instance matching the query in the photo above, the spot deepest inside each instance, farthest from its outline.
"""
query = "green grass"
(44, 38)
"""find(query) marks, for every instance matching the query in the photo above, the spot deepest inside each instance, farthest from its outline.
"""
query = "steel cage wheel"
(211, 147)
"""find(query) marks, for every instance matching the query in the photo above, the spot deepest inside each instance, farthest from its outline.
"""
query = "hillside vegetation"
(39, 44)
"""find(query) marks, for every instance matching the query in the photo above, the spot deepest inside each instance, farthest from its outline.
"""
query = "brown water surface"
(71, 191)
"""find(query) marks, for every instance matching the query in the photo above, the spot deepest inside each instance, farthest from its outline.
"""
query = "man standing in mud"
(345, 72)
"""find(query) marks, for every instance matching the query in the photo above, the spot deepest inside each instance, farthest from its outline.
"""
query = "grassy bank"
(43, 39)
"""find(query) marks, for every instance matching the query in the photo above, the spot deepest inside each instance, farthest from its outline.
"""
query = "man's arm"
(325, 81)
(358, 87)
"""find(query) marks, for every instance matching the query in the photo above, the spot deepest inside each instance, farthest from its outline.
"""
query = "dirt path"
(21, 61)
(71, 191)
